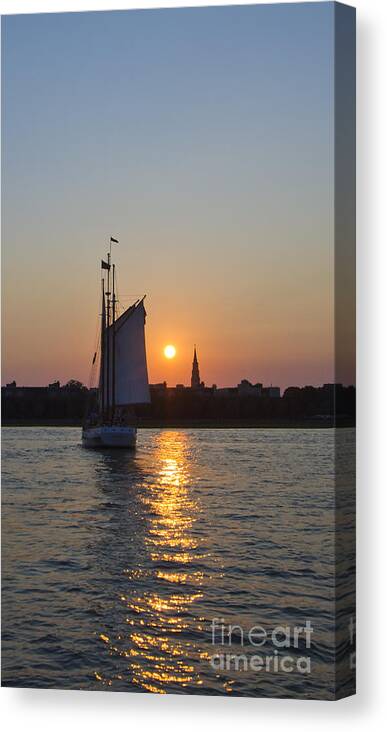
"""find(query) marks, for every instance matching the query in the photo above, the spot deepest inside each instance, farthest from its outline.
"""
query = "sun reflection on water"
(162, 622)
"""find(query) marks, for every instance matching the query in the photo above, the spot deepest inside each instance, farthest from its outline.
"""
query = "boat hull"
(109, 436)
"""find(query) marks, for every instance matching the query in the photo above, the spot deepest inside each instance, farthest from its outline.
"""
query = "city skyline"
(193, 382)
(209, 155)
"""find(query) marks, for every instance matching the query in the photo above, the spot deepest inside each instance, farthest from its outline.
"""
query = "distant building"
(273, 392)
(331, 388)
(195, 377)
(158, 388)
(226, 391)
(245, 388)
(12, 391)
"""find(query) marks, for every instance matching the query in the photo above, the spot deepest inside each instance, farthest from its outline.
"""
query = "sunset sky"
(202, 139)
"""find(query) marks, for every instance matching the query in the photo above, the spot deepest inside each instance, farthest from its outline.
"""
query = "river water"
(123, 571)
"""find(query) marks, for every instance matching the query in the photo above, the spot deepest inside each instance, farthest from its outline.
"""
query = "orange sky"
(203, 140)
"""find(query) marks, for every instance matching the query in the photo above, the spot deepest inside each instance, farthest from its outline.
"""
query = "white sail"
(129, 361)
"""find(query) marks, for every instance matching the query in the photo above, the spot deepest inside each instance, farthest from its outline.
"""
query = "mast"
(108, 375)
(108, 293)
(113, 345)
(103, 326)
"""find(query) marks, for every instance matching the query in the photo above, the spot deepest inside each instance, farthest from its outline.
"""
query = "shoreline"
(199, 424)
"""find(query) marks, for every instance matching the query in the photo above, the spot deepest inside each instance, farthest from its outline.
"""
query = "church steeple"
(195, 378)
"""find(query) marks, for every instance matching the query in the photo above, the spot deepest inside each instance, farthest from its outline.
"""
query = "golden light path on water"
(116, 564)
(159, 646)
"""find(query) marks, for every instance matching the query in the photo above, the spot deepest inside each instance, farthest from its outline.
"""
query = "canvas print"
(178, 398)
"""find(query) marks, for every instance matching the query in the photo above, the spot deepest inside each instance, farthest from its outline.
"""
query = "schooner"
(123, 374)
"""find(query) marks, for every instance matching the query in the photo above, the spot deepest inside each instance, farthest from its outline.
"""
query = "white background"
(72, 710)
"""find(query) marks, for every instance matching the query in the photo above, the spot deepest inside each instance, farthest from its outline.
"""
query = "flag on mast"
(104, 265)
(114, 240)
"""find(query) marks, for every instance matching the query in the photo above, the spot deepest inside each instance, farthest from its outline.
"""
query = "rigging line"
(91, 376)
(97, 334)
(118, 304)
(95, 350)
(94, 365)
(129, 301)
(93, 383)
(89, 400)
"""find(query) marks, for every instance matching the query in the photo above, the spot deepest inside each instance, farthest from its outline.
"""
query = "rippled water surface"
(115, 563)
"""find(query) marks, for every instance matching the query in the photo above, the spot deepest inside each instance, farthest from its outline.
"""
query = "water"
(115, 563)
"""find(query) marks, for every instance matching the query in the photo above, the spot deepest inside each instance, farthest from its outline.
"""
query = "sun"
(169, 351)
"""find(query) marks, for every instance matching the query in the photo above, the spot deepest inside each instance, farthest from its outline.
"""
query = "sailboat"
(123, 374)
